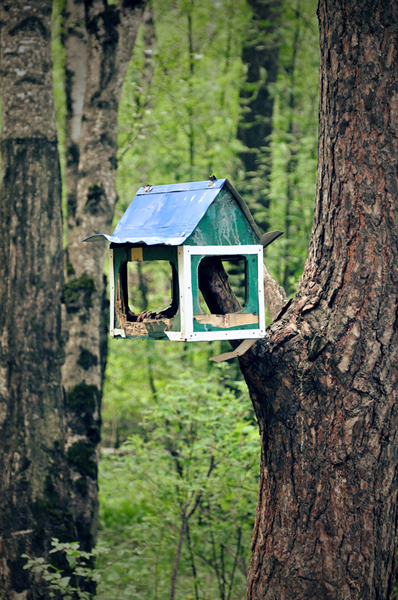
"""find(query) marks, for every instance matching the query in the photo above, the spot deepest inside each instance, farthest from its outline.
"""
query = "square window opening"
(235, 267)
(148, 290)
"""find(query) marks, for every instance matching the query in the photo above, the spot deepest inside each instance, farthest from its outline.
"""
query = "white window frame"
(186, 305)
(113, 332)
(112, 294)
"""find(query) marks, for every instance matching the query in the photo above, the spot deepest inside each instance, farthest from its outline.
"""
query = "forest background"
(180, 447)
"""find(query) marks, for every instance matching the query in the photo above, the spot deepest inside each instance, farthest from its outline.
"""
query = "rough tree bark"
(99, 40)
(324, 381)
(34, 498)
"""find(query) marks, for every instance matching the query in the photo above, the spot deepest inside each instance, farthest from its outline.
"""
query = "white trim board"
(223, 250)
(185, 282)
(112, 293)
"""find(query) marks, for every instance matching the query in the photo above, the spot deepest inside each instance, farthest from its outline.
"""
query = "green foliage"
(180, 108)
(196, 452)
(70, 583)
(149, 285)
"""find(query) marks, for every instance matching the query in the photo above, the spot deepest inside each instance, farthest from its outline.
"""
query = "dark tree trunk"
(324, 381)
(98, 40)
(260, 55)
(74, 39)
(34, 500)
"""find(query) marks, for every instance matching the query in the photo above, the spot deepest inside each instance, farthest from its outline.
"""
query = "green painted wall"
(224, 224)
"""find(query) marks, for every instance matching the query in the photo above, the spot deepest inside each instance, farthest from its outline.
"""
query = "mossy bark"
(105, 35)
(34, 484)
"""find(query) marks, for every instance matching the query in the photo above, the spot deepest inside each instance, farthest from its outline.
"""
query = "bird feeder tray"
(183, 224)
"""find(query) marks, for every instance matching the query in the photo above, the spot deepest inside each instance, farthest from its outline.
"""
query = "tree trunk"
(324, 381)
(291, 166)
(94, 76)
(34, 500)
(74, 39)
(260, 55)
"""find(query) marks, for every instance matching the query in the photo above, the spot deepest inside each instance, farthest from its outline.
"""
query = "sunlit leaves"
(181, 125)
(196, 446)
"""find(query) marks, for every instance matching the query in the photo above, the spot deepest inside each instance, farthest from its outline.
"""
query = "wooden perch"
(228, 320)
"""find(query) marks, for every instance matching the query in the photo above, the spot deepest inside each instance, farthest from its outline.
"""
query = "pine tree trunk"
(324, 382)
(34, 500)
(106, 42)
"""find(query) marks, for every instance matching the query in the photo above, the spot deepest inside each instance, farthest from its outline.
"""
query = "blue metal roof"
(168, 214)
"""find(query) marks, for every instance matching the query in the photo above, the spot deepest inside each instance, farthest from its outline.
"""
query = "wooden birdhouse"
(184, 224)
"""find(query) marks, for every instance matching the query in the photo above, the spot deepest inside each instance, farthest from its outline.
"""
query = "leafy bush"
(189, 477)
(72, 584)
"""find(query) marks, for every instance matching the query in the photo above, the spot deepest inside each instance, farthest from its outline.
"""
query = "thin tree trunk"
(34, 493)
(74, 39)
(107, 44)
(324, 381)
(231, 583)
(216, 565)
(291, 165)
(149, 49)
(187, 510)
(260, 55)
(177, 559)
(143, 100)
(193, 566)
(191, 128)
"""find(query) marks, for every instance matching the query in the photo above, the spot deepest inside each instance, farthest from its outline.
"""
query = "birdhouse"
(184, 224)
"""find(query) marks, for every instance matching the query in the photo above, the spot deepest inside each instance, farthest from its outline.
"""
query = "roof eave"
(244, 208)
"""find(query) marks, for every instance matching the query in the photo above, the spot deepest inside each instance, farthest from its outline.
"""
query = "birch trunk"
(95, 75)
